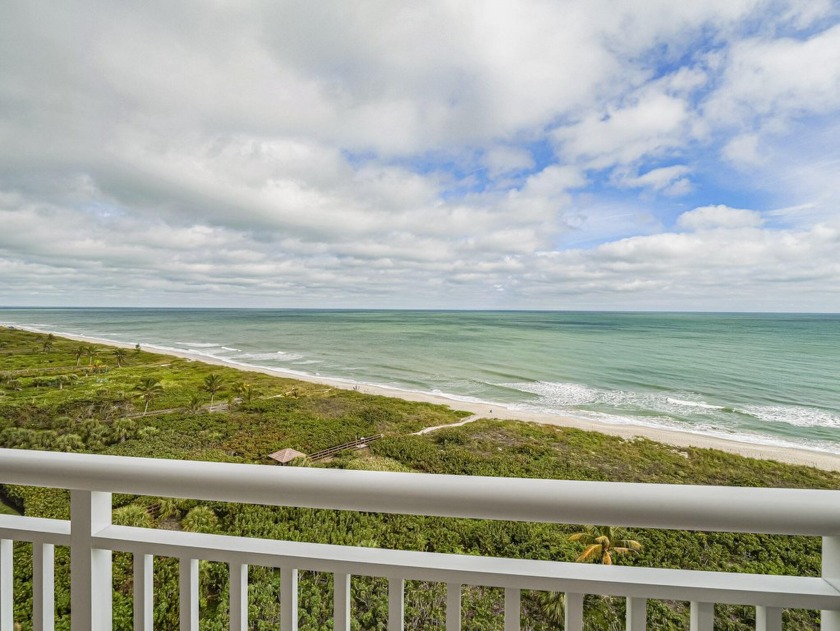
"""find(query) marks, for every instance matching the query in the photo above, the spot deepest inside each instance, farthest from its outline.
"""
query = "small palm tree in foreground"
(168, 508)
(148, 389)
(553, 606)
(604, 542)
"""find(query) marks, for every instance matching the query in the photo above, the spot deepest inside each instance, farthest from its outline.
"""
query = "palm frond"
(583, 537)
(628, 543)
(588, 553)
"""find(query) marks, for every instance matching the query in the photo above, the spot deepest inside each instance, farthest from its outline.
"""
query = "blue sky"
(485, 154)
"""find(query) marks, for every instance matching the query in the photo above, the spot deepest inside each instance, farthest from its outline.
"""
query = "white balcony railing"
(92, 537)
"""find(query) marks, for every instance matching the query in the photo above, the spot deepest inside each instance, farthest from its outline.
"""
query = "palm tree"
(195, 404)
(246, 391)
(91, 351)
(120, 354)
(123, 429)
(553, 606)
(213, 384)
(147, 390)
(81, 350)
(48, 343)
(602, 542)
(168, 508)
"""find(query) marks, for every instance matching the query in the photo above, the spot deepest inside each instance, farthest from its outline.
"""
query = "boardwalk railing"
(92, 537)
(353, 444)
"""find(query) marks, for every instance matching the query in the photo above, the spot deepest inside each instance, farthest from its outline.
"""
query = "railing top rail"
(725, 509)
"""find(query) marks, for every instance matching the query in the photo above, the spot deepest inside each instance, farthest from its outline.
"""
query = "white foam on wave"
(278, 356)
(792, 415)
(695, 404)
(181, 352)
(231, 350)
(463, 398)
(199, 344)
(563, 395)
(284, 370)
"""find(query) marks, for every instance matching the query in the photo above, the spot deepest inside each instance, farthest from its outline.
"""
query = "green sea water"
(761, 378)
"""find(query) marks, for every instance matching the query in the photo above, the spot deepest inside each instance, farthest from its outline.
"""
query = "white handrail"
(712, 508)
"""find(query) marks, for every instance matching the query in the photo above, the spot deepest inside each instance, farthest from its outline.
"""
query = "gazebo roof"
(285, 456)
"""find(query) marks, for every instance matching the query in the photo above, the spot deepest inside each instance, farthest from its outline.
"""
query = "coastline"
(674, 438)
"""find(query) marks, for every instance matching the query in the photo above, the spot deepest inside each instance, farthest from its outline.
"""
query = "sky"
(471, 154)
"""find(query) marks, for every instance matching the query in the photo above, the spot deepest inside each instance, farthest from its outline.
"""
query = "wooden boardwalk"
(355, 444)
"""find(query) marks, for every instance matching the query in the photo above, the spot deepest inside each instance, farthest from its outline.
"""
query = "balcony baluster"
(513, 613)
(453, 607)
(396, 604)
(288, 599)
(43, 586)
(238, 596)
(143, 592)
(637, 614)
(188, 588)
(341, 602)
(574, 612)
(6, 584)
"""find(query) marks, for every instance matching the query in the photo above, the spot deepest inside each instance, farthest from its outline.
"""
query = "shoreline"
(674, 438)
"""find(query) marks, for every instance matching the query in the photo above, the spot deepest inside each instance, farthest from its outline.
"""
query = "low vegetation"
(58, 395)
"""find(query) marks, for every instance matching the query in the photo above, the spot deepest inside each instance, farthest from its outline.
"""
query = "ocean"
(759, 378)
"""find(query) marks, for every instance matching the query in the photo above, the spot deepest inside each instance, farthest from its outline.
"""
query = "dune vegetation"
(61, 395)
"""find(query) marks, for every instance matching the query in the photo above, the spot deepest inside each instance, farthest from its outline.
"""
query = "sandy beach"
(820, 460)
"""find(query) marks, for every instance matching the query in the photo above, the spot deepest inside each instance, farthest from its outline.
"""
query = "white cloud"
(776, 79)
(738, 265)
(670, 180)
(713, 217)
(649, 126)
(342, 153)
(502, 160)
(743, 150)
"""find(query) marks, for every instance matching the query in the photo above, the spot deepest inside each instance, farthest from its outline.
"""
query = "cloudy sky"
(463, 154)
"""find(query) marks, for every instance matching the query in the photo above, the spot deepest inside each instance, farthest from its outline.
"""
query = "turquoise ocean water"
(761, 378)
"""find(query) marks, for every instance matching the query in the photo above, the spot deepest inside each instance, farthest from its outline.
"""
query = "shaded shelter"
(285, 456)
